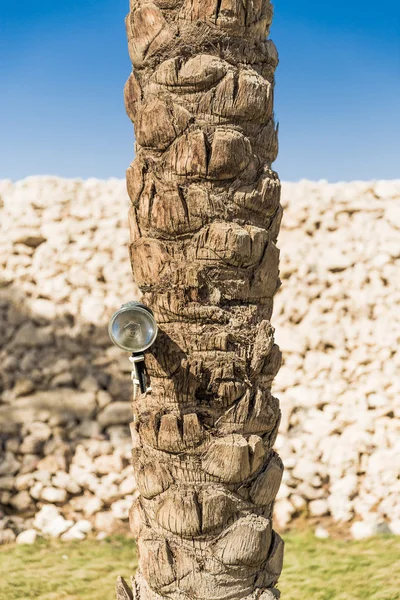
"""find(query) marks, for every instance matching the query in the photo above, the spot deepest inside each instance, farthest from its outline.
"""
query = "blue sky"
(63, 66)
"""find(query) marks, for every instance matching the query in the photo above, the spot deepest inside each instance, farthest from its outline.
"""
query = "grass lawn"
(314, 569)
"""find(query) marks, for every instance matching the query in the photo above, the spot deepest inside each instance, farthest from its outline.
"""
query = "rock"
(9, 465)
(7, 536)
(5, 498)
(43, 308)
(12, 445)
(308, 492)
(77, 531)
(128, 486)
(393, 215)
(22, 502)
(29, 237)
(283, 512)
(52, 494)
(82, 459)
(36, 490)
(105, 522)
(75, 404)
(28, 537)
(318, 508)
(39, 430)
(50, 522)
(52, 463)
(92, 506)
(103, 465)
(88, 429)
(89, 384)
(29, 463)
(92, 309)
(64, 379)
(7, 483)
(103, 398)
(120, 436)
(63, 481)
(361, 530)
(23, 387)
(306, 469)
(107, 492)
(29, 336)
(120, 509)
(333, 259)
(31, 445)
(298, 502)
(290, 340)
(394, 526)
(43, 476)
(321, 533)
(115, 413)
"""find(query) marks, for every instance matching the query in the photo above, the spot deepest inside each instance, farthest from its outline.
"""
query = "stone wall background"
(65, 390)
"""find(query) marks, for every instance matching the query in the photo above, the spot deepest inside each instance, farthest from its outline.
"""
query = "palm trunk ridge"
(204, 220)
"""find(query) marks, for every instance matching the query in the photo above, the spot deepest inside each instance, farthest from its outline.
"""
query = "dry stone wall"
(65, 390)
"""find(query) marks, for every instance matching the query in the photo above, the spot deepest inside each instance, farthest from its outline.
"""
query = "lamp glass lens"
(133, 329)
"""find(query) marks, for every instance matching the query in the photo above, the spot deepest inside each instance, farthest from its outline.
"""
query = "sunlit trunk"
(204, 220)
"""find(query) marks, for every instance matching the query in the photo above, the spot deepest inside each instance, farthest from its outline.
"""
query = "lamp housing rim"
(134, 305)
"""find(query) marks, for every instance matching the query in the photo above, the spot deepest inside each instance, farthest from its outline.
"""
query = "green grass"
(314, 569)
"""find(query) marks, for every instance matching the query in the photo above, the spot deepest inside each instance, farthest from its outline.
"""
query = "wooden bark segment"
(123, 591)
(204, 221)
(246, 543)
(266, 486)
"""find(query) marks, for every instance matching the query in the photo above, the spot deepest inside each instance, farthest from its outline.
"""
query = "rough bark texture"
(204, 220)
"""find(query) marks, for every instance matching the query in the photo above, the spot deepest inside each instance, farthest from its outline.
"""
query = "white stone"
(7, 483)
(9, 464)
(394, 526)
(50, 522)
(51, 494)
(24, 482)
(334, 259)
(105, 521)
(283, 512)
(393, 214)
(36, 490)
(92, 506)
(115, 414)
(321, 533)
(63, 481)
(305, 469)
(7, 536)
(40, 431)
(107, 492)
(128, 486)
(28, 537)
(120, 509)
(103, 465)
(360, 530)
(298, 502)
(78, 531)
(21, 502)
(290, 340)
(318, 508)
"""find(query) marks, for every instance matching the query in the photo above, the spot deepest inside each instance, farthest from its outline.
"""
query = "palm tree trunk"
(204, 220)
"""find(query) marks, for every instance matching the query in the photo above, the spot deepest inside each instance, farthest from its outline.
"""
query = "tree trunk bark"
(204, 220)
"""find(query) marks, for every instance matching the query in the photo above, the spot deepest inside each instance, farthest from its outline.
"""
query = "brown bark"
(204, 220)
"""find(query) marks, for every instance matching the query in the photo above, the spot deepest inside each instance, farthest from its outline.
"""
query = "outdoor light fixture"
(133, 328)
